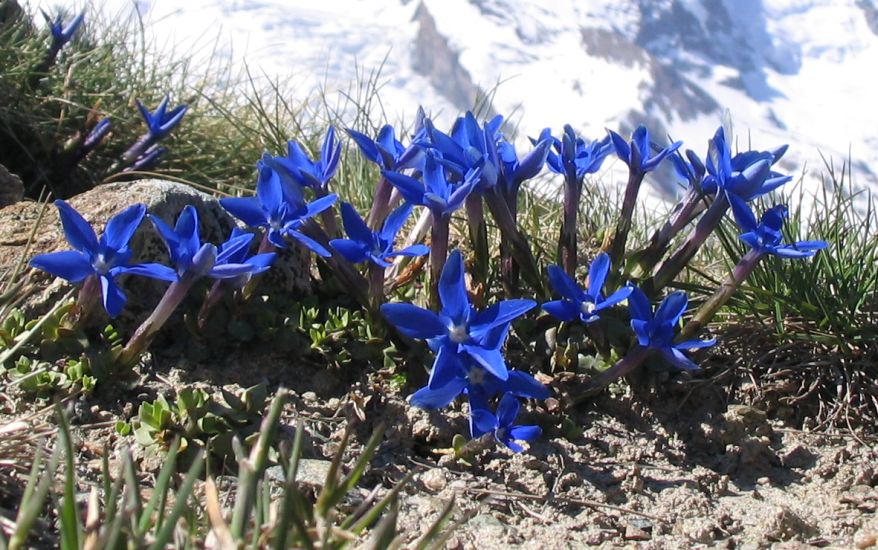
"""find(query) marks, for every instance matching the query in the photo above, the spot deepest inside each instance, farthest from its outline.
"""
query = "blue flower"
(161, 122)
(691, 169)
(148, 159)
(191, 259)
(573, 157)
(273, 210)
(386, 151)
(637, 154)
(743, 177)
(583, 305)
(502, 426)
(656, 332)
(766, 236)
(105, 258)
(375, 246)
(470, 147)
(514, 172)
(435, 192)
(458, 332)
(298, 167)
(96, 135)
(63, 34)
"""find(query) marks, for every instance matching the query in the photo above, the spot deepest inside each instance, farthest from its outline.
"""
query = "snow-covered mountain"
(778, 71)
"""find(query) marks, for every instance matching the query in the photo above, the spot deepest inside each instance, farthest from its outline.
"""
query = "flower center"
(101, 264)
(458, 333)
(476, 376)
(587, 308)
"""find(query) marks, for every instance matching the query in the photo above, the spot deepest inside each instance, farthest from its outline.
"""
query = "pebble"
(865, 538)
(434, 479)
(633, 532)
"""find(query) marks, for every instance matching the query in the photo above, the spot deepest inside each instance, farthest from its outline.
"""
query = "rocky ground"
(672, 469)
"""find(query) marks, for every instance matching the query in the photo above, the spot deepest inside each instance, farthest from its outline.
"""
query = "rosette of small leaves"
(199, 421)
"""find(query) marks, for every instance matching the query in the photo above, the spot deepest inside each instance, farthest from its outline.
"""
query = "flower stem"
(567, 249)
(146, 332)
(478, 234)
(519, 246)
(87, 302)
(380, 205)
(624, 366)
(709, 308)
(509, 269)
(616, 247)
(684, 212)
(376, 286)
(438, 255)
(669, 269)
(328, 217)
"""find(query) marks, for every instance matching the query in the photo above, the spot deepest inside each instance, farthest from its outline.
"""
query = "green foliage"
(198, 421)
(189, 510)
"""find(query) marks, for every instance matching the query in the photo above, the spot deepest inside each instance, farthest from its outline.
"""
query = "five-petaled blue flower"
(766, 236)
(743, 177)
(161, 122)
(62, 34)
(435, 192)
(573, 157)
(514, 172)
(637, 154)
(386, 151)
(298, 168)
(583, 305)
(279, 209)
(104, 258)
(375, 246)
(656, 332)
(191, 259)
(469, 147)
(458, 332)
(501, 424)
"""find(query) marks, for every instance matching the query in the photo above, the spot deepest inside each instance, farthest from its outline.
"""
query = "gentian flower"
(375, 246)
(273, 210)
(97, 135)
(104, 258)
(514, 172)
(573, 157)
(458, 332)
(299, 168)
(386, 151)
(435, 192)
(583, 305)
(161, 122)
(148, 159)
(766, 236)
(62, 34)
(636, 154)
(502, 426)
(469, 147)
(656, 332)
(191, 259)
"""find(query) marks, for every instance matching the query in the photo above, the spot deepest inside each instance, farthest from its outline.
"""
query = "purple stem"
(684, 212)
(509, 269)
(633, 359)
(146, 332)
(438, 256)
(381, 204)
(519, 246)
(669, 269)
(87, 302)
(376, 286)
(140, 146)
(616, 248)
(478, 234)
(709, 308)
(567, 249)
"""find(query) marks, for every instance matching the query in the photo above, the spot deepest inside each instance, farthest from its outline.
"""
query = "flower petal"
(122, 226)
(452, 288)
(153, 271)
(481, 421)
(77, 231)
(316, 247)
(247, 209)
(525, 433)
(491, 359)
(113, 297)
(395, 221)
(71, 265)
(563, 310)
(671, 308)
(564, 285)
(597, 274)
(354, 225)
(695, 344)
(500, 313)
(426, 398)
(676, 358)
(638, 305)
(413, 321)
(352, 251)
(446, 367)
(524, 385)
(507, 410)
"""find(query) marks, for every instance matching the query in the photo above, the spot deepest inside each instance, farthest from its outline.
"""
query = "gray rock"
(11, 187)
(163, 199)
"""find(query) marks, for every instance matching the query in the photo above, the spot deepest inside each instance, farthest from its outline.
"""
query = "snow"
(817, 83)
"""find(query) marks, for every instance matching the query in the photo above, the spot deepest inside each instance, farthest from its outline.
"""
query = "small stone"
(865, 538)
(633, 532)
(309, 396)
(798, 457)
(311, 473)
(763, 481)
(434, 479)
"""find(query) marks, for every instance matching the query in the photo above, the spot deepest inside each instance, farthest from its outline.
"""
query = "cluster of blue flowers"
(472, 166)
